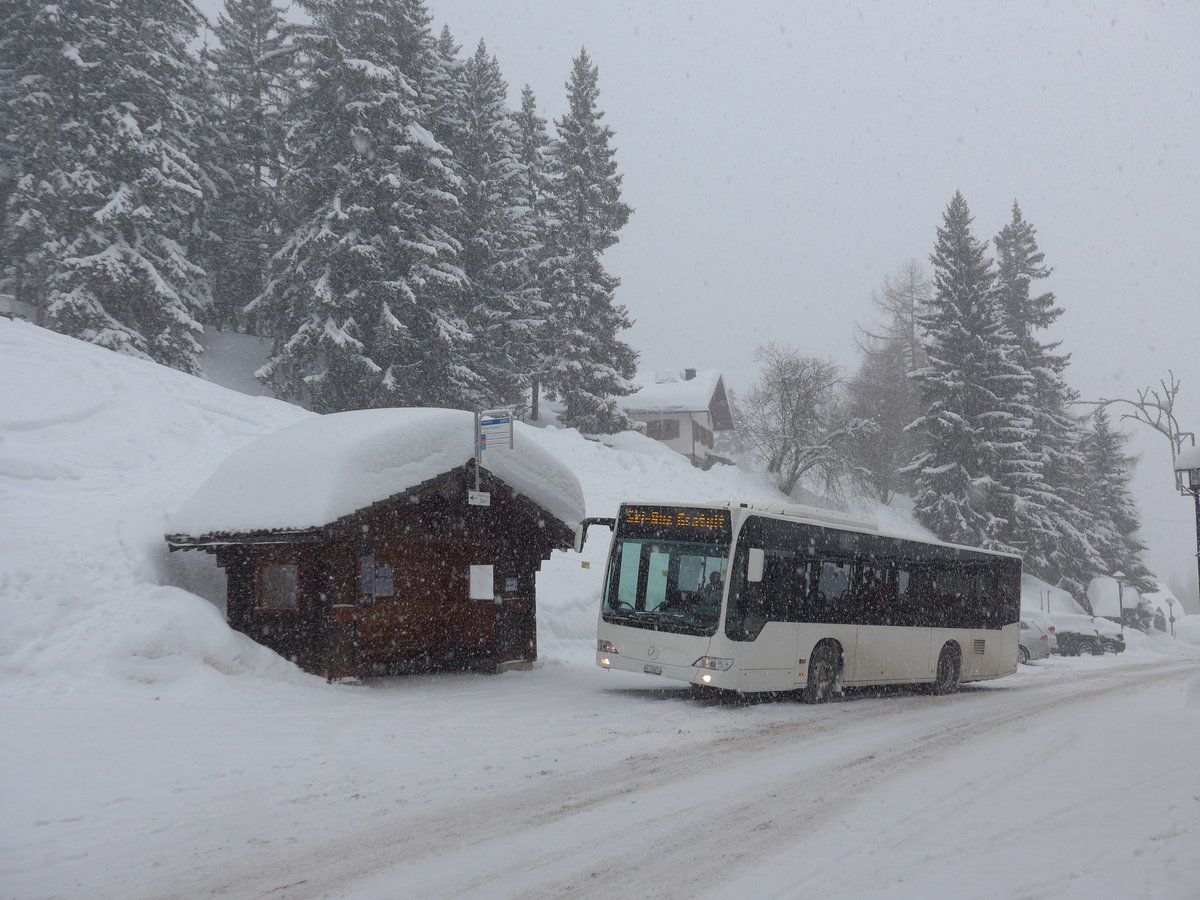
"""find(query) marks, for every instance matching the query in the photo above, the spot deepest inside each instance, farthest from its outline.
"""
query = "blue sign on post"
(496, 430)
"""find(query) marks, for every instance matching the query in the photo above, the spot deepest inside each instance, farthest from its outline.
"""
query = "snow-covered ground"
(149, 751)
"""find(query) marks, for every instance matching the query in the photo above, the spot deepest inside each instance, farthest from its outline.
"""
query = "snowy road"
(834, 799)
(569, 782)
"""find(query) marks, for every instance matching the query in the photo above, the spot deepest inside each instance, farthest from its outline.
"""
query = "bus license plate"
(652, 670)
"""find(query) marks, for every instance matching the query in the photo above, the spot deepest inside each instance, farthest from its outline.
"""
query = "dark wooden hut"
(418, 578)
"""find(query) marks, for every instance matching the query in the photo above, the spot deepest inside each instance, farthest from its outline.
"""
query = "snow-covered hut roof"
(679, 390)
(321, 469)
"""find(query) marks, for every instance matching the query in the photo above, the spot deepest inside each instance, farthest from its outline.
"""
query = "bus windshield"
(666, 585)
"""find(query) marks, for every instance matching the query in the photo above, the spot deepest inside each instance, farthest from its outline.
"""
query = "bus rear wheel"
(949, 671)
(822, 675)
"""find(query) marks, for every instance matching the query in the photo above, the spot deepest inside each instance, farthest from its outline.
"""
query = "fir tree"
(533, 193)
(497, 236)
(11, 33)
(1115, 523)
(106, 195)
(250, 69)
(1062, 551)
(442, 86)
(592, 365)
(363, 284)
(976, 483)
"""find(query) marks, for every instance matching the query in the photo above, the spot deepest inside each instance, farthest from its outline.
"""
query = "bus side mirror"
(581, 530)
(755, 563)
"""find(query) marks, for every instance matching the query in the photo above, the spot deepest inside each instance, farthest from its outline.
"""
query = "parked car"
(1077, 634)
(1032, 642)
(1112, 636)
(1042, 621)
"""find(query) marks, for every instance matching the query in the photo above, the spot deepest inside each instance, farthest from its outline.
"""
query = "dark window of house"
(663, 429)
(277, 586)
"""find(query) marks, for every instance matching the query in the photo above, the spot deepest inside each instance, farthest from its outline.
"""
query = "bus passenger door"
(759, 614)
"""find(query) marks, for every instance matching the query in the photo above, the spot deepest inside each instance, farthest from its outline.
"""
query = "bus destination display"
(673, 521)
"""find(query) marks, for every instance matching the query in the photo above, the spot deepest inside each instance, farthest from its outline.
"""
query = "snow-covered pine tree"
(361, 286)
(497, 235)
(1115, 523)
(441, 82)
(250, 69)
(975, 480)
(1069, 558)
(532, 142)
(592, 366)
(10, 37)
(106, 194)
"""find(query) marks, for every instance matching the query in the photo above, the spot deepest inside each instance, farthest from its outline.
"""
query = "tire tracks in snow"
(678, 821)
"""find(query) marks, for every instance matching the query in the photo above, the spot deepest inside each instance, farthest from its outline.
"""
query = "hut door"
(516, 628)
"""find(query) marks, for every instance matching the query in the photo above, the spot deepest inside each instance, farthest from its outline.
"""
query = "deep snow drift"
(151, 751)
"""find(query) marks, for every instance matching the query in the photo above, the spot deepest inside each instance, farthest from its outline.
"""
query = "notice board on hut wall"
(482, 582)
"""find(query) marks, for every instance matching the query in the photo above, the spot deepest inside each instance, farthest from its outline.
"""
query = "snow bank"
(95, 449)
(322, 468)
(1187, 630)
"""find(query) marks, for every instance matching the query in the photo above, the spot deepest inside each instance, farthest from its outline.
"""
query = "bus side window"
(832, 585)
(881, 596)
(799, 599)
(906, 607)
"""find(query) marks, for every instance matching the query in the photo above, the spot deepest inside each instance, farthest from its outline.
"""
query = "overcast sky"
(783, 158)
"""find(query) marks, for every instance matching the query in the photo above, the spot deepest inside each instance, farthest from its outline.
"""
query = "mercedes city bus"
(750, 598)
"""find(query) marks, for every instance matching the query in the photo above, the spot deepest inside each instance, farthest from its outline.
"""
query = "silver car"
(1033, 642)
(1040, 620)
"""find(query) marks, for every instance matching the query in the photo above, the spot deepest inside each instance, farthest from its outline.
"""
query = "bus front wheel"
(822, 675)
(949, 671)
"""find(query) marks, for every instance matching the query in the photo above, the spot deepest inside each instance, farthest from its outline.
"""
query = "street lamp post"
(1187, 477)
(1120, 602)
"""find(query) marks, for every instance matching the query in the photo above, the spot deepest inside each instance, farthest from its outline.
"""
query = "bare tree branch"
(1154, 407)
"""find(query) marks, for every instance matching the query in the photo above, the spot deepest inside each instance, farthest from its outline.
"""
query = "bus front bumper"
(705, 671)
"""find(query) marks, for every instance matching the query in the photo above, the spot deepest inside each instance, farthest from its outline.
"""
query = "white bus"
(807, 601)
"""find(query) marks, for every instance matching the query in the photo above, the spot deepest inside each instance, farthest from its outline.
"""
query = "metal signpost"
(493, 431)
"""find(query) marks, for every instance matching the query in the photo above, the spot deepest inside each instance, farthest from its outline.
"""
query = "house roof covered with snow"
(680, 390)
(322, 469)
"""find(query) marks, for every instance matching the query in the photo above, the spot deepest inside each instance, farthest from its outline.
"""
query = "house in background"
(682, 408)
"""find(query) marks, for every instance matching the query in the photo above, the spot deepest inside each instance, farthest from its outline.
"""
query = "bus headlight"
(603, 646)
(716, 663)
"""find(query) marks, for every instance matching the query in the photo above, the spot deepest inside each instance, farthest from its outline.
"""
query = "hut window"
(663, 429)
(277, 586)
